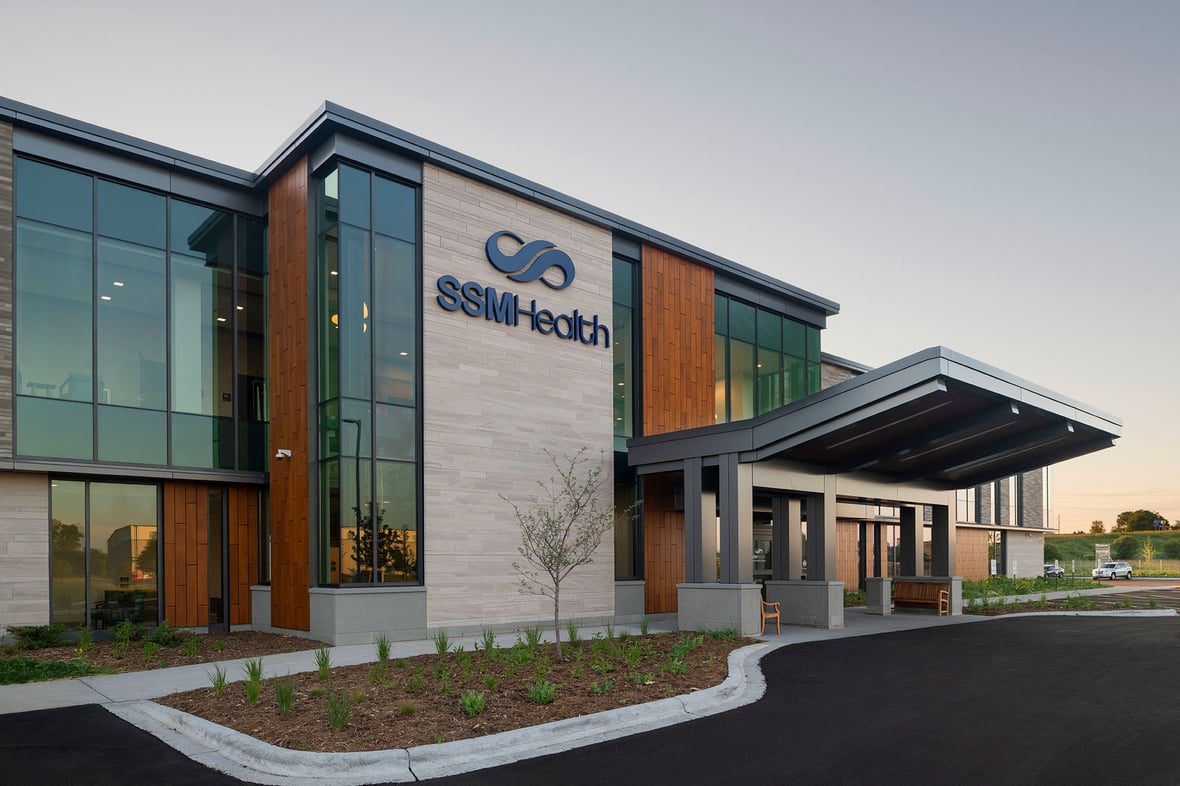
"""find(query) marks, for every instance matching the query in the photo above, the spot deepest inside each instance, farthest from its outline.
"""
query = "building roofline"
(330, 118)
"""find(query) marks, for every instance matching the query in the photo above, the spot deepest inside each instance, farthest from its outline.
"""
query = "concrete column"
(911, 542)
(877, 550)
(877, 596)
(737, 520)
(942, 542)
(821, 533)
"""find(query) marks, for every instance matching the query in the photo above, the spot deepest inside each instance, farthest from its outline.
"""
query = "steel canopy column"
(911, 542)
(700, 539)
(942, 542)
(736, 500)
(787, 547)
(821, 533)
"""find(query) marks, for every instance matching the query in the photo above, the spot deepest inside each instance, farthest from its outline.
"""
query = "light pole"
(356, 459)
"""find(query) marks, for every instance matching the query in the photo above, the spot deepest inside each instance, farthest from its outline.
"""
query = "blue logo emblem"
(531, 261)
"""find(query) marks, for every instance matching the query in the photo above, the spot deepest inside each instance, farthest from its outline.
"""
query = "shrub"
(39, 637)
(167, 636)
(571, 632)
(533, 635)
(383, 647)
(150, 648)
(217, 677)
(253, 669)
(323, 663)
(542, 692)
(285, 695)
(441, 642)
(472, 703)
(339, 710)
(21, 669)
(1125, 547)
(190, 646)
(85, 643)
(488, 640)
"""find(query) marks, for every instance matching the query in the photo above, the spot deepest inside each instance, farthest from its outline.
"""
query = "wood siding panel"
(663, 545)
(243, 551)
(290, 376)
(971, 561)
(677, 343)
(186, 554)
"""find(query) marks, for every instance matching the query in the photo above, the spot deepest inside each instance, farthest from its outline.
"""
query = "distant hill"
(1081, 547)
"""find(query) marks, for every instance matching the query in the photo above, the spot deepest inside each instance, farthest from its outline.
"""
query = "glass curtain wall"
(368, 318)
(135, 313)
(627, 403)
(104, 558)
(762, 360)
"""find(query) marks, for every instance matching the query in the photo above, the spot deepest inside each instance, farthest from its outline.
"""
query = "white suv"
(1111, 570)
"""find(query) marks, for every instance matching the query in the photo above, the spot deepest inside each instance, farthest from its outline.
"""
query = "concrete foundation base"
(817, 604)
(629, 601)
(719, 606)
(878, 598)
(357, 616)
(260, 607)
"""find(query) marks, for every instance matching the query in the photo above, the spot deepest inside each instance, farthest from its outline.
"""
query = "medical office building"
(293, 399)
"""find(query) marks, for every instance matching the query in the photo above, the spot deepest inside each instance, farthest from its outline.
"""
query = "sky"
(1000, 178)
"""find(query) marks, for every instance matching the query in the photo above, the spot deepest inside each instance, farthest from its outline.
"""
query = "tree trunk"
(557, 621)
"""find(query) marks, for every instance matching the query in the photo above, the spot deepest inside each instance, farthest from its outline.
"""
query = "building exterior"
(300, 399)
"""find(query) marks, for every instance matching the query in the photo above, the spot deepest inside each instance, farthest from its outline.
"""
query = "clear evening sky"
(1002, 178)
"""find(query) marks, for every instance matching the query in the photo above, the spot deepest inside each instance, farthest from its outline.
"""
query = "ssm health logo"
(532, 261)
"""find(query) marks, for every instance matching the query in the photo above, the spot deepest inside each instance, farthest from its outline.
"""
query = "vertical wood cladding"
(186, 554)
(677, 343)
(971, 560)
(243, 551)
(663, 545)
(289, 416)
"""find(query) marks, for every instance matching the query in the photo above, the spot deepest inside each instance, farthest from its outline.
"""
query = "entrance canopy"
(935, 417)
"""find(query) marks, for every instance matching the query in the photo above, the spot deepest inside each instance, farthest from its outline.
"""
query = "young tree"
(1097, 528)
(561, 528)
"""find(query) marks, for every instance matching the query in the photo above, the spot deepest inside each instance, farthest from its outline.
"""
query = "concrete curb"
(248, 759)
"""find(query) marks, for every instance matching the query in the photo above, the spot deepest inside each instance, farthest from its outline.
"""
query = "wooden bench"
(770, 611)
(922, 593)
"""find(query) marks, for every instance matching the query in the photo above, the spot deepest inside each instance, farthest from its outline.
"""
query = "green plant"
(406, 709)
(439, 739)
(85, 643)
(1151, 603)
(383, 648)
(541, 667)
(641, 678)
(723, 634)
(285, 695)
(599, 688)
(643, 628)
(601, 665)
(38, 637)
(633, 654)
(533, 635)
(190, 646)
(488, 640)
(15, 670)
(379, 672)
(323, 663)
(415, 682)
(315, 693)
(339, 710)
(472, 703)
(150, 648)
(219, 645)
(167, 636)
(571, 633)
(253, 669)
(442, 644)
(123, 634)
(542, 692)
(610, 631)
(491, 682)
(217, 677)
(253, 692)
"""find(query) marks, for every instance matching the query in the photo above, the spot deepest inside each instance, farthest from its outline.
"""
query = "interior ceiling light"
(117, 283)
(221, 319)
(104, 297)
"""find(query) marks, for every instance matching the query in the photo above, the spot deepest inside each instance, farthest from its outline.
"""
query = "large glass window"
(368, 378)
(762, 360)
(127, 307)
(626, 399)
(105, 553)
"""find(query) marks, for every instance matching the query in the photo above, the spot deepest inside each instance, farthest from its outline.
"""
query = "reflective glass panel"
(132, 328)
(250, 386)
(813, 344)
(397, 521)
(354, 318)
(53, 309)
(794, 378)
(67, 555)
(394, 209)
(721, 314)
(624, 370)
(132, 436)
(54, 429)
(356, 428)
(329, 315)
(200, 441)
(720, 387)
(770, 329)
(741, 380)
(794, 338)
(131, 214)
(622, 282)
(330, 522)
(54, 195)
(395, 314)
(356, 528)
(741, 322)
(395, 432)
(770, 391)
(123, 554)
(354, 196)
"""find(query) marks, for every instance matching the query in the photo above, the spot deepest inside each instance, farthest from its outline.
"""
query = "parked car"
(1111, 570)
(1054, 572)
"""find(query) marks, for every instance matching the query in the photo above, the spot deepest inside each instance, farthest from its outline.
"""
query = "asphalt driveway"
(1016, 700)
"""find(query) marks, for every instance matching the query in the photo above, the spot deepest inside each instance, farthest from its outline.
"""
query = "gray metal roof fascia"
(836, 360)
(87, 133)
(445, 157)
